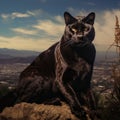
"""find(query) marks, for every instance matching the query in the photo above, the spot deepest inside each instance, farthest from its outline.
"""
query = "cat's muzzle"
(82, 41)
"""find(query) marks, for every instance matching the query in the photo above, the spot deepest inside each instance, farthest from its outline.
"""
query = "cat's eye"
(74, 30)
(86, 29)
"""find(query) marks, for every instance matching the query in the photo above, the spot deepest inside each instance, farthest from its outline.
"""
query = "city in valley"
(102, 81)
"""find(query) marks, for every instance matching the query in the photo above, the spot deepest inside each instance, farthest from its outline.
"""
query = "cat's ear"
(90, 18)
(69, 19)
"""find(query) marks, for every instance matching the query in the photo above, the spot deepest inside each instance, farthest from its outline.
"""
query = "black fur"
(38, 81)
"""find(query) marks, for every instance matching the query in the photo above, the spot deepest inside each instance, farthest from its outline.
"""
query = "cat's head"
(79, 30)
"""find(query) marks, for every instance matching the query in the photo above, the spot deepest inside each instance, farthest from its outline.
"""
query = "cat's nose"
(80, 33)
(80, 37)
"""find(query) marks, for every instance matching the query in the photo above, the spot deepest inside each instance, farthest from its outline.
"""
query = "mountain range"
(26, 56)
(10, 53)
(9, 56)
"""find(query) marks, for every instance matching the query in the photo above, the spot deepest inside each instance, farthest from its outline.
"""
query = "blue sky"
(37, 24)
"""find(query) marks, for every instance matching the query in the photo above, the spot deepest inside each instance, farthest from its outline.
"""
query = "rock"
(27, 111)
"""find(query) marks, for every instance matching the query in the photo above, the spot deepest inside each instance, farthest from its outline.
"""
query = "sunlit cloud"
(24, 31)
(104, 26)
(59, 19)
(15, 15)
(19, 15)
(36, 12)
(4, 16)
(3, 41)
(50, 27)
(50, 30)
(23, 43)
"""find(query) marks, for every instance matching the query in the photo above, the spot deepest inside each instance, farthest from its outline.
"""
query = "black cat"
(64, 70)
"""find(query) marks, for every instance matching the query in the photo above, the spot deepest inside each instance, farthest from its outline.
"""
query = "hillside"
(10, 56)
(24, 56)
(8, 53)
(13, 60)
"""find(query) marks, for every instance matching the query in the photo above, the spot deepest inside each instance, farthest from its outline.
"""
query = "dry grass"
(112, 110)
(26, 111)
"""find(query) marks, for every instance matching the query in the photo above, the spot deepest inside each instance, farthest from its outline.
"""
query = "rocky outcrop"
(27, 111)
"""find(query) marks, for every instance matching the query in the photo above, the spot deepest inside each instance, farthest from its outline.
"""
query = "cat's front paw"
(81, 113)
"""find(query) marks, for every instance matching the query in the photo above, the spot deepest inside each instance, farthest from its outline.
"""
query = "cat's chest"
(77, 64)
(80, 66)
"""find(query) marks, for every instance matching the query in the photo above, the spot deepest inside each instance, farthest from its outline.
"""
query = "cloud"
(104, 25)
(50, 27)
(27, 14)
(59, 19)
(23, 43)
(36, 12)
(3, 41)
(19, 15)
(4, 16)
(24, 31)
(48, 31)
(15, 15)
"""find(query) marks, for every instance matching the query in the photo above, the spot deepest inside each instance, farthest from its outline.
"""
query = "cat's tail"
(8, 100)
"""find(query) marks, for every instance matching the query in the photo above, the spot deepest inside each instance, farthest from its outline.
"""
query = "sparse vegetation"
(110, 107)
(3, 89)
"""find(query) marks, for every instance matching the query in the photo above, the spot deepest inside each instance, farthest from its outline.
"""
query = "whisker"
(84, 44)
(66, 43)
